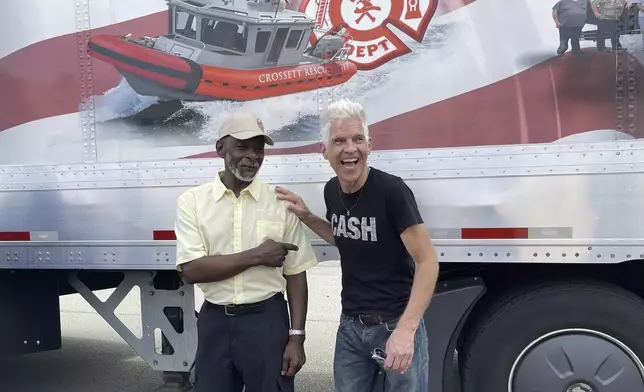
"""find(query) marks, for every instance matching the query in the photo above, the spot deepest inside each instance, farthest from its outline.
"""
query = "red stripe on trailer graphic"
(15, 236)
(164, 235)
(484, 233)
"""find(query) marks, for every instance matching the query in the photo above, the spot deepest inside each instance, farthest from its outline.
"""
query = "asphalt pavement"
(95, 359)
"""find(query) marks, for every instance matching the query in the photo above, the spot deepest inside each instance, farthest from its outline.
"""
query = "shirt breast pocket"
(272, 230)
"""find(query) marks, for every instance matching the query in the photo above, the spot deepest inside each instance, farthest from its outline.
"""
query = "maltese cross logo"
(368, 23)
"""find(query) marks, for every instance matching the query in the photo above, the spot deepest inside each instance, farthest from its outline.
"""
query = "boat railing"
(341, 55)
(291, 19)
(216, 12)
(320, 32)
(329, 51)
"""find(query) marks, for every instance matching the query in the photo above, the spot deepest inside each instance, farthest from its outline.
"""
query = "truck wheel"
(580, 337)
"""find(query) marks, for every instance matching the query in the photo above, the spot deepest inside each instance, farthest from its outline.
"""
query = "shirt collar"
(219, 189)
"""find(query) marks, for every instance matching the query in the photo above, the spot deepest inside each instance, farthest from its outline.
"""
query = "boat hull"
(151, 72)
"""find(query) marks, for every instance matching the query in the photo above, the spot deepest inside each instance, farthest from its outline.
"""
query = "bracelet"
(300, 332)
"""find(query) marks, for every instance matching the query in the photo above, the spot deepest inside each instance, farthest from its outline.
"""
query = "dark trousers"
(607, 27)
(242, 347)
(569, 33)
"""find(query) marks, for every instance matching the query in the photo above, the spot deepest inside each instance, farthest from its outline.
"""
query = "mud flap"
(30, 312)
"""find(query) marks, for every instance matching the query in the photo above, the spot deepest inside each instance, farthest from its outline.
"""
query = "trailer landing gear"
(167, 306)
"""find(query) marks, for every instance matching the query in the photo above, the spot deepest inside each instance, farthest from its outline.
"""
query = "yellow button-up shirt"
(211, 220)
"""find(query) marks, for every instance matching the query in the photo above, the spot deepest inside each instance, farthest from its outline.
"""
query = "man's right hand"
(272, 253)
(296, 204)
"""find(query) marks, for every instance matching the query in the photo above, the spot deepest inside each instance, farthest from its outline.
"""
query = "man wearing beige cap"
(243, 248)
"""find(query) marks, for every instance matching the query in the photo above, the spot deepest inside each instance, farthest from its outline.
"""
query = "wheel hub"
(576, 361)
(580, 387)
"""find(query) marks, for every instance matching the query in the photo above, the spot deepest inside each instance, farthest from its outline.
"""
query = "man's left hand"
(293, 358)
(400, 349)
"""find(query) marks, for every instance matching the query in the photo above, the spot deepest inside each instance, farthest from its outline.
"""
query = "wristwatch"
(300, 332)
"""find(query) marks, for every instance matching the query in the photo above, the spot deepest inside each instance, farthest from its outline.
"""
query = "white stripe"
(550, 232)
(58, 139)
(43, 235)
(25, 22)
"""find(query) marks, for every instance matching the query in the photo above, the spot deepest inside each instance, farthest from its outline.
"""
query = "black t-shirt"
(377, 270)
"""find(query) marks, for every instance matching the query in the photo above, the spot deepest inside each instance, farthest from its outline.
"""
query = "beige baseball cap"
(243, 125)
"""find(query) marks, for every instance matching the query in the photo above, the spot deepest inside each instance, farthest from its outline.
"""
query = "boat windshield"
(213, 33)
(224, 34)
(185, 24)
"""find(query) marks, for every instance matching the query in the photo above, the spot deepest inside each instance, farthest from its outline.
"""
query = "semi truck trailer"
(527, 166)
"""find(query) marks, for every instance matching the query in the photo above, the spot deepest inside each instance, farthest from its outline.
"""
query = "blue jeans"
(355, 371)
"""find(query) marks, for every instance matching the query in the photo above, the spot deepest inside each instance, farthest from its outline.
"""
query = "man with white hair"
(243, 248)
(389, 265)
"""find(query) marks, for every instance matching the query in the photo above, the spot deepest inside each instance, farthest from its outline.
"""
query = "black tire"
(498, 339)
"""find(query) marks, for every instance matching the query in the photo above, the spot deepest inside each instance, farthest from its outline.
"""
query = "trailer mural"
(112, 97)
(150, 80)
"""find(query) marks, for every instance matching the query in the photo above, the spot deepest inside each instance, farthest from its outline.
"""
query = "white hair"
(340, 110)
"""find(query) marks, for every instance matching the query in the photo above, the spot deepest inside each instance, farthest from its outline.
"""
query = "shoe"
(563, 46)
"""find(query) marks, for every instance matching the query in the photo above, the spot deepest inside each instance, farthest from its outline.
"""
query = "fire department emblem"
(367, 23)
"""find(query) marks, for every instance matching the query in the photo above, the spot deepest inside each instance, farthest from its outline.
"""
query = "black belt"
(234, 310)
(373, 319)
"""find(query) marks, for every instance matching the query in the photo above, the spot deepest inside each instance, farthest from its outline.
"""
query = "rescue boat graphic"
(218, 49)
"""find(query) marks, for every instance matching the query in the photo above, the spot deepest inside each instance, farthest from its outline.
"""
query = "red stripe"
(15, 236)
(466, 233)
(31, 91)
(493, 116)
(478, 233)
(164, 235)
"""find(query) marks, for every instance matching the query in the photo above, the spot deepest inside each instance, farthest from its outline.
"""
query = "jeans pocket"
(391, 324)
(344, 319)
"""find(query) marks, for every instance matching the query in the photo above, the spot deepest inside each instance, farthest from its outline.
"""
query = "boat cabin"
(239, 34)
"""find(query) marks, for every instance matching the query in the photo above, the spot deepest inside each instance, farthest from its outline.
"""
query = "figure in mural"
(570, 18)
